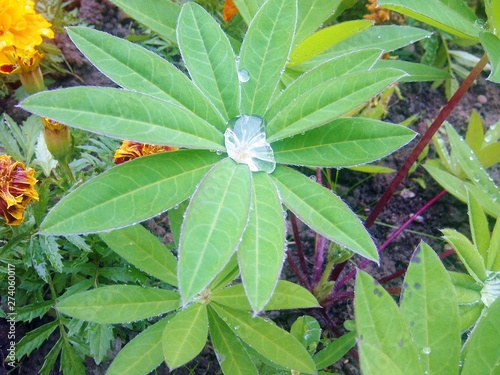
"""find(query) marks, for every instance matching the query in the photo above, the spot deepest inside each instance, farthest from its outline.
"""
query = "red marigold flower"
(130, 150)
(17, 189)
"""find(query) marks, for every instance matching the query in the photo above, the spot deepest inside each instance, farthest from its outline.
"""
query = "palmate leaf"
(126, 115)
(342, 143)
(335, 350)
(248, 8)
(329, 100)
(209, 58)
(429, 307)
(311, 15)
(135, 68)
(215, 220)
(323, 211)
(262, 248)
(478, 223)
(491, 44)
(119, 304)
(263, 55)
(415, 72)
(129, 193)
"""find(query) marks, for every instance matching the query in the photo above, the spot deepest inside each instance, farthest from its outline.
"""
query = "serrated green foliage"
(335, 350)
(51, 358)
(232, 356)
(215, 220)
(209, 58)
(135, 68)
(71, 362)
(383, 335)
(185, 335)
(307, 330)
(267, 339)
(102, 204)
(142, 354)
(119, 304)
(429, 307)
(262, 249)
(100, 338)
(323, 211)
(263, 55)
(34, 339)
(287, 295)
(491, 44)
(343, 142)
(15, 138)
(145, 251)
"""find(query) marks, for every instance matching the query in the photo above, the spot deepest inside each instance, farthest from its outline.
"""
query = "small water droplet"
(426, 350)
(243, 75)
(218, 152)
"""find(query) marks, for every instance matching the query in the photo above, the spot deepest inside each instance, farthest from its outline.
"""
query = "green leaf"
(129, 193)
(475, 132)
(482, 350)
(143, 353)
(119, 304)
(262, 250)
(469, 314)
(467, 289)
(51, 358)
(33, 310)
(248, 8)
(451, 16)
(137, 69)
(100, 337)
(313, 108)
(415, 72)
(126, 115)
(468, 254)
(491, 44)
(287, 295)
(264, 53)
(144, 250)
(335, 350)
(429, 307)
(71, 362)
(311, 15)
(323, 211)
(387, 38)
(493, 263)
(336, 67)
(185, 335)
(34, 339)
(232, 356)
(215, 220)
(478, 226)
(209, 58)
(160, 16)
(230, 272)
(382, 331)
(343, 142)
(307, 330)
(324, 39)
(267, 339)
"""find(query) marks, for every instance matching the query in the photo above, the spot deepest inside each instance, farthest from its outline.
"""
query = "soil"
(418, 99)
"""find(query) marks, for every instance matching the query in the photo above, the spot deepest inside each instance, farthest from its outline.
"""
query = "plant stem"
(426, 138)
(298, 244)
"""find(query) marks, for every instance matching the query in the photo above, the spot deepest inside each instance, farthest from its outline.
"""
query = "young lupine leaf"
(135, 68)
(126, 115)
(100, 337)
(232, 356)
(141, 248)
(215, 220)
(415, 72)
(479, 226)
(467, 253)
(311, 15)
(323, 211)
(335, 350)
(267, 339)
(382, 331)
(230, 272)
(262, 249)
(209, 58)
(34, 339)
(248, 8)
(314, 108)
(130, 192)
(143, 353)
(493, 263)
(263, 55)
(307, 330)
(119, 304)
(342, 143)
(451, 16)
(160, 16)
(185, 335)
(287, 295)
(491, 44)
(474, 136)
(387, 38)
(481, 354)
(429, 307)
(348, 63)
(324, 39)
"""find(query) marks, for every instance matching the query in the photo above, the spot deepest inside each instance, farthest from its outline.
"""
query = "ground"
(417, 99)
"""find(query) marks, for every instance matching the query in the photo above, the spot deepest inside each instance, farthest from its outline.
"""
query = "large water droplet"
(243, 75)
(246, 143)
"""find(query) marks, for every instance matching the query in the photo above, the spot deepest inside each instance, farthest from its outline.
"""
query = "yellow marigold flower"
(21, 26)
(58, 139)
(17, 61)
(130, 150)
(377, 14)
(17, 189)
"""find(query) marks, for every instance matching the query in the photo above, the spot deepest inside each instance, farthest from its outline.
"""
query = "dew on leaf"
(243, 75)
(426, 350)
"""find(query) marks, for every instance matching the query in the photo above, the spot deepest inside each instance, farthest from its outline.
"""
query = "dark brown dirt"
(417, 99)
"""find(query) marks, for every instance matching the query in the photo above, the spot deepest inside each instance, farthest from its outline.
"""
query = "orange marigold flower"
(229, 10)
(377, 14)
(21, 26)
(130, 150)
(17, 189)
(14, 60)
